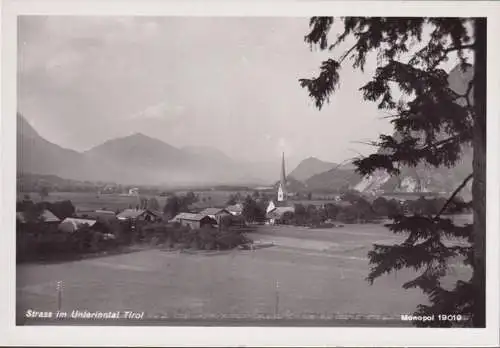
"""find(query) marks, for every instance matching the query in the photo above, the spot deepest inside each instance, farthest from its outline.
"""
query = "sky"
(228, 83)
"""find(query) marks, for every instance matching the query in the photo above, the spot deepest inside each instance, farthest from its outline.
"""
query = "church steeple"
(282, 186)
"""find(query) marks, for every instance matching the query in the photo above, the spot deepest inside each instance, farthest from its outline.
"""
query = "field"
(92, 201)
(307, 273)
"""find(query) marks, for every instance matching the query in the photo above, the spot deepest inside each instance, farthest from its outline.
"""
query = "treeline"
(353, 208)
(44, 184)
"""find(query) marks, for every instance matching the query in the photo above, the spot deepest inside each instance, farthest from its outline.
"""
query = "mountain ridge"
(132, 159)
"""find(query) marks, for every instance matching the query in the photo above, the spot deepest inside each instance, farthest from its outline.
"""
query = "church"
(280, 205)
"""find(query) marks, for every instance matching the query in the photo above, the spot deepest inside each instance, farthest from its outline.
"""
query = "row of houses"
(93, 218)
(96, 218)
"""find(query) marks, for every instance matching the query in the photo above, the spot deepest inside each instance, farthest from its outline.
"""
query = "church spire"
(282, 186)
(283, 173)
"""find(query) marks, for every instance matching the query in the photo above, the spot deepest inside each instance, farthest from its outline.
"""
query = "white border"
(176, 336)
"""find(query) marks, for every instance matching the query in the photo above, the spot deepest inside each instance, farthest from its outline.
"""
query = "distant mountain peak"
(310, 167)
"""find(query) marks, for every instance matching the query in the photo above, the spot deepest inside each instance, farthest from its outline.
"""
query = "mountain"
(134, 159)
(37, 155)
(309, 167)
(423, 177)
(419, 179)
(336, 179)
(206, 152)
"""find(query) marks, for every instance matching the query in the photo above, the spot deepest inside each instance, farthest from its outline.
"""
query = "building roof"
(72, 224)
(130, 213)
(190, 217)
(135, 213)
(236, 208)
(47, 216)
(97, 214)
(213, 211)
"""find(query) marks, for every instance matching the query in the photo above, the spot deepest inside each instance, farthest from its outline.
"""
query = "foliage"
(61, 209)
(176, 204)
(231, 200)
(153, 204)
(253, 211)
(44, 192)
(432, 124)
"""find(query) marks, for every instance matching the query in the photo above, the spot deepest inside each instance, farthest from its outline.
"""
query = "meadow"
(307, 273)
(84, 201)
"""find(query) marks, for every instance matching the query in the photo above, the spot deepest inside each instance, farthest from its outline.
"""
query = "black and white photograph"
(296, 170)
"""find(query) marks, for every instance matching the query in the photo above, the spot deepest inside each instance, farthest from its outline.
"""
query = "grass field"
(92, 201)
(306, 272)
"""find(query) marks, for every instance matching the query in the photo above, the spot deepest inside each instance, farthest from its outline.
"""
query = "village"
(52, 229)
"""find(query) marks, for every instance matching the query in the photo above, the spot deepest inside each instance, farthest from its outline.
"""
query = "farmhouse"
(139, 215)
(235, 210)
(71, 225)
(46, 216)
(215, 213)
(276, 216)
(194, 220)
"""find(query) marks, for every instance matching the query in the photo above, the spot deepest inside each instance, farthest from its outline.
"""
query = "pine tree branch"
(457, 190)
(462, 47)
(448, 50)
(467, 94)
(344, 56)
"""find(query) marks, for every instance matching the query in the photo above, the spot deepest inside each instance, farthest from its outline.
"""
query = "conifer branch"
(457, 190)
(448, 50)
(344, 56)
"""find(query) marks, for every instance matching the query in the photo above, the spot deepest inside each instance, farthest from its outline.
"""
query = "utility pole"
(276, 308)
(59, 295)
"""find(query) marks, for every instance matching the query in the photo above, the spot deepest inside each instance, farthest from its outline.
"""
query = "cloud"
(162, 110)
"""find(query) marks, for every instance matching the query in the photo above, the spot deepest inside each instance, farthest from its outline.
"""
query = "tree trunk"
(479, 169)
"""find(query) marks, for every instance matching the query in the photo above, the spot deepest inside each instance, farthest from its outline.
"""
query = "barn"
(216, 213)
(71, 225)
(145, 215)
(194, 221)
(276, 215)
(46, 216)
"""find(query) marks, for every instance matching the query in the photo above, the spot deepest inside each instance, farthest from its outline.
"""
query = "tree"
(433, 123)
(381, 206)
(331, 211)
(394, 208)
(172, 206)
(62, 209)
(231, 200)
(153, 204)
(190, 198)
(43, 192)
(252, 211)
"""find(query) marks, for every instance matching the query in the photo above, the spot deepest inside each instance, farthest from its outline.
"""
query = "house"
(276, 215)
(216, 213)
(71, 225)
(139, 215)
(194, 220)
(236, 209)
(46, 216)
